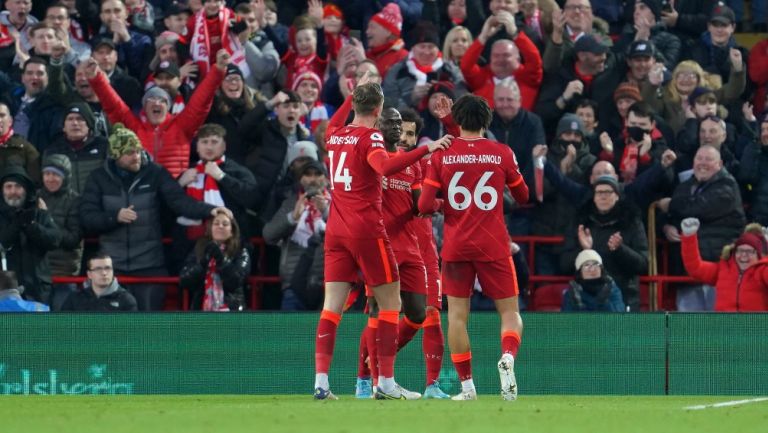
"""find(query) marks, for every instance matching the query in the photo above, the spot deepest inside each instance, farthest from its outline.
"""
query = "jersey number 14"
(460, 198)
(341, 175)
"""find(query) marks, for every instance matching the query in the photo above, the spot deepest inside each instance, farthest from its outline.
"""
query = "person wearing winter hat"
(122, 204)
(385, 46)
(624, 96)
(408, 82)
(63, 203)
(167, 138)
(14, 147)
(309, 86)
(592, 289)
(28, 233)
(740, 276)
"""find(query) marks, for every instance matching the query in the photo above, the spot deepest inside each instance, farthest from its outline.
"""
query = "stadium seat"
(548, 297)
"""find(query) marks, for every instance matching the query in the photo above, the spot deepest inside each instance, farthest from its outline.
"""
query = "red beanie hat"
(332, 10)
(308, 75)
(753, 241)
(390, 18)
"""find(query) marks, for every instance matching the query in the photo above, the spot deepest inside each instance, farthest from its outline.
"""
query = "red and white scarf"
(5, 137)
(6, 40)
(213, 298)
(628, 165)
(200, 48)
(310, 222)
(421, 71)
(317, 114)
(205, 189)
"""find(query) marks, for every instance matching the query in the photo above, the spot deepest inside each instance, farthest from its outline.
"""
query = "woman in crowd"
(216, 271)
(592, 289)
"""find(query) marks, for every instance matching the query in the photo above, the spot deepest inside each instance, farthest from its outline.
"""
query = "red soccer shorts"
(498, 278)
(413, 275)
(374, 257)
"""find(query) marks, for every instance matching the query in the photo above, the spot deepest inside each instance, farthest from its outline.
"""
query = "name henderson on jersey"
(471, 159)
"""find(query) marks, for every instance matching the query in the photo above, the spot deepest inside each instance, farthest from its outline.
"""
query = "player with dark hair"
(355, 235)
(400, 197)
(472, 175)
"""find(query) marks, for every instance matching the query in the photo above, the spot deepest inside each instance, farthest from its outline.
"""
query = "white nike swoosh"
(323, 335)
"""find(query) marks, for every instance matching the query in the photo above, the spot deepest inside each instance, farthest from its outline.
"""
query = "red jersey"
(398, 207)
(472, 174)
(355, 185)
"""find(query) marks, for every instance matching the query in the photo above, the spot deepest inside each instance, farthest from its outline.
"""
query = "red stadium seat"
(548, 297)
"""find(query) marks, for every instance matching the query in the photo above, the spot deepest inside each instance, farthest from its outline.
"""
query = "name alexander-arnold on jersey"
(471, 159)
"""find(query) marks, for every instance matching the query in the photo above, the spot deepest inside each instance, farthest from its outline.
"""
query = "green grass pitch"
(274, 414)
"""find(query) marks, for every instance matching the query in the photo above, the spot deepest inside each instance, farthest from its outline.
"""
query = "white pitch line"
(726, 403)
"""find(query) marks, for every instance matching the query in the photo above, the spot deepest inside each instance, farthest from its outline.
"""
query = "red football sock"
(433, 345)
(463, 364)
(363, 372)
(405, 332)
(325, 340)
(510, 342)
(373, 352)
(387, 342)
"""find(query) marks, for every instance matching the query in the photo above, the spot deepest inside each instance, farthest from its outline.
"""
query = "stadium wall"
(272, 353)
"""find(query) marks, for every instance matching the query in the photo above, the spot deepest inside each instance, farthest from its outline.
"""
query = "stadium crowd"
(205, 121)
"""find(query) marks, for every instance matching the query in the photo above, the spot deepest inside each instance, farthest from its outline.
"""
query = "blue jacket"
(608, 298)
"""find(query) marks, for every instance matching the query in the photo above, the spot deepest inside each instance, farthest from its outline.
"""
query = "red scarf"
(335, 42)
(7, 136)
(76, 30)
(213, 299)
(205, 189)
(200, 46)
(628, 165)
(310, 221)
(381, 49)
(6, 40)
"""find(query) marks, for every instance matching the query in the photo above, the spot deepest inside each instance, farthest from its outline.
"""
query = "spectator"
(17, 19)
(33, 108)
(134, 49)
(687, 18)
(141, 16)
(587, 111)
(740, 276)
(269, 140)
(216, 271)
(309, 86)
(234, 99)
(505, 62)
(568, 26)
(57, 16)
(441, 92)
(754, 165)
(336, 33)
(167, 76)
(63, 203)
(612, 227)
(169, 48)
(299, 228)
(455, 44)
(220, 181)
(260, 54)
(553, 215)
(646, 25)
(10, 296)
(717, 51)
(592, 289)
(122, 204)
(175, 20)
(85, 151)
(166, 138)
(408, 82)
(712, 196)
(711, 130)
(671, 101)
(14, 149)
(341, 80)
(101, 291)
(614, 127)
(124, 84)
(641, 142)
(214, 28)
(45, 41)
(27, 233)
(385, 47)
(537, 17)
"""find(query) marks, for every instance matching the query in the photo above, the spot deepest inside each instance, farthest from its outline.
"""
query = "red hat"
(308, 75)
(332, 10)
(390, 18)
(752, 240)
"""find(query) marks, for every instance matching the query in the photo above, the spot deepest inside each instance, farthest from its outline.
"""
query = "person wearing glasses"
(740, 276)
(592, 289)
(611, 226)
(101, 291)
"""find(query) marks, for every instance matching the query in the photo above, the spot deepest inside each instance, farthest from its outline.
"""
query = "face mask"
(564, 143)
(636, 133)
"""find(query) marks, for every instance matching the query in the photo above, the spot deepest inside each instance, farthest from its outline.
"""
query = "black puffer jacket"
(63, 206)
(624, 264)
(754, 166)
(233, 272)
(717, 204)
(85, 160)
(136, 246)
(27, 234)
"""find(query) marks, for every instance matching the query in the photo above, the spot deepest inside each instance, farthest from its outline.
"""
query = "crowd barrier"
(272, 353)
